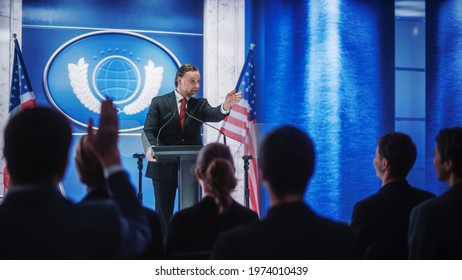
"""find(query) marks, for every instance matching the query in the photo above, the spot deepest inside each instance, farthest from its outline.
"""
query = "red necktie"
(182, 111)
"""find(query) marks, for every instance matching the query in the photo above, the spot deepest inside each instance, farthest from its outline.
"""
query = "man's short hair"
(37, 143)
(400, 152)
(286, 160)
(182, 70)
(449, 145)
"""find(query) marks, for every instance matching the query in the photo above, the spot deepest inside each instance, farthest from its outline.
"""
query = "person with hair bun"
(192, 231)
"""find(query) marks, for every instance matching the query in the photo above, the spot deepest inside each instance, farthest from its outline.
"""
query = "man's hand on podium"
(150, 155)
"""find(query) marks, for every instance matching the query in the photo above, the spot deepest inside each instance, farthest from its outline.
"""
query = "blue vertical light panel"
(329, 71)
(410, 80)
(444, 76)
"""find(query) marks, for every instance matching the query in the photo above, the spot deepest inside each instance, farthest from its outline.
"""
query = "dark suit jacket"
(155, 248)
(382, 220)
(39, 223)
(160, 113)
(195, 229)
(290, 231)
(435, 231)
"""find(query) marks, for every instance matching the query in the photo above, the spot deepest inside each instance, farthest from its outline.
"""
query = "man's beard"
(191, 94)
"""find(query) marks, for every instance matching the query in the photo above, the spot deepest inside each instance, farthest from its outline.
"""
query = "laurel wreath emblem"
(78, 76)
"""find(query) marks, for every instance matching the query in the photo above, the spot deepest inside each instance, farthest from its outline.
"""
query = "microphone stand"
(162, 127)
(202, 122)
(140, 158)
(246, 180)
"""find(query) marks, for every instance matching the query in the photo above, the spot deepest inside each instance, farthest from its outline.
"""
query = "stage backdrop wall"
(72, 64)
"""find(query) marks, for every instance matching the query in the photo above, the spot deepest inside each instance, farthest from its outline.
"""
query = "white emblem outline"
(131, 109)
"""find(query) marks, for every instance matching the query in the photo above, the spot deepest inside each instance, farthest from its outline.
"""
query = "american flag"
(21, 95)
(241, 123)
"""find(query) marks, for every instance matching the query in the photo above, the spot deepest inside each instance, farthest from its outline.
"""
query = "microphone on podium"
(147, 145)
(162, 127)
(202, 122)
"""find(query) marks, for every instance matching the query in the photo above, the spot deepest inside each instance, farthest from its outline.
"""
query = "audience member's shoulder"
(370, 200)
(189, 215)
(96, 208)
(334, 226)
(422, 193)
(251, 215)
(151, 214)
(433, 202)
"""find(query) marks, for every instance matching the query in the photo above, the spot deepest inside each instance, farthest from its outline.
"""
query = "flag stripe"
(241, 108)
(240, 125)
(233, 135)
(231, 121)
(253, 167)
(238, 116)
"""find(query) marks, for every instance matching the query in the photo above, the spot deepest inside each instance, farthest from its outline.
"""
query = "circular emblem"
(116, 77)
(127, 67)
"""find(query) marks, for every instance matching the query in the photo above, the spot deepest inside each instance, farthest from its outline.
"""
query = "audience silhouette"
(291, 230)
(380, 222)
(37, 222)
(193, 231)
(91, 173)
(436, 225)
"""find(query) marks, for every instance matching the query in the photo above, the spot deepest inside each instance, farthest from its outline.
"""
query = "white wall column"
(224, 54)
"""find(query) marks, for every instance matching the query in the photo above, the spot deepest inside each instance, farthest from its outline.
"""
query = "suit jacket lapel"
(174, 108)
(190, 108)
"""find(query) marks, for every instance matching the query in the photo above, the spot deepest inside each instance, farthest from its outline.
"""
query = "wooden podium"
(188, 187)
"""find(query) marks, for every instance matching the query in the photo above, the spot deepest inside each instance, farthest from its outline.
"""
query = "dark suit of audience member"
(37, 222)
(91, 174)
(193, 231)
(436, 225)
(291, 229)
(380, 222)
(155, 248)
(165, 113)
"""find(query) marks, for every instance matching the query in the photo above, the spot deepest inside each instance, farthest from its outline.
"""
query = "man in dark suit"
(291, 230)
(168, 123)
(381, 221)
(436, 225)
(37, 222)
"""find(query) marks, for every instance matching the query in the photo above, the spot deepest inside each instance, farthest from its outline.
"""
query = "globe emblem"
(116, 77)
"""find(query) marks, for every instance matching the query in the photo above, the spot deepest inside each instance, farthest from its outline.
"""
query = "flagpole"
(246, 158)
(19, 53)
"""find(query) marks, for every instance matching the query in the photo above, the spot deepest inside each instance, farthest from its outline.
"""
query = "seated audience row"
(397, 222)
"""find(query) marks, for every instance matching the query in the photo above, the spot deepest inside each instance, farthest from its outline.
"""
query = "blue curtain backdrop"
(443, 77)
(329, 70)
(49, 24)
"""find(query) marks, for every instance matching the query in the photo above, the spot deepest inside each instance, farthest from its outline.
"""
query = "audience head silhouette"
(215, 171)
(395, 154)
(448, 153)
(36, 147)
(286, 160)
